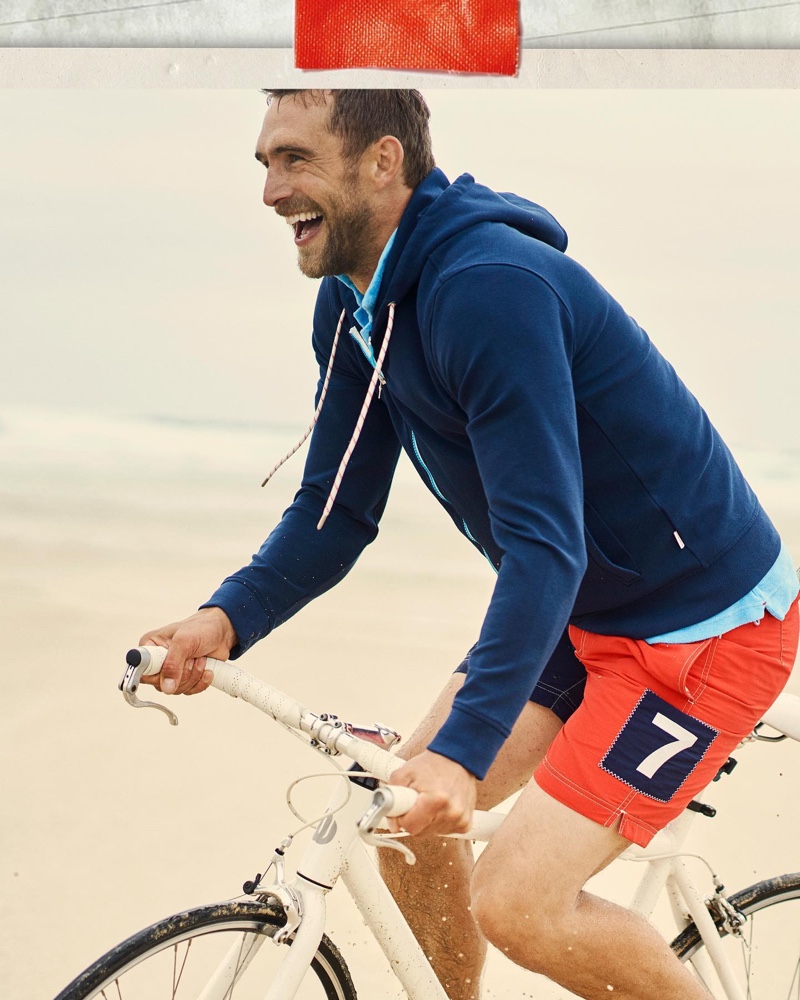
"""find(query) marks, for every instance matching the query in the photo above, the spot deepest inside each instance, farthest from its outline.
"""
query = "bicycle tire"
(111, 975)
(777, 957)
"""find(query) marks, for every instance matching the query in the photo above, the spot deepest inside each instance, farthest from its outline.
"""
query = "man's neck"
(393, 216)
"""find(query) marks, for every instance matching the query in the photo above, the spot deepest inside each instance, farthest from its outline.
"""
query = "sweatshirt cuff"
(249, 618)
(469, 740)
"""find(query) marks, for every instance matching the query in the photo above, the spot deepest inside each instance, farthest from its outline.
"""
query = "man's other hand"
(447, 794)
(208, 632)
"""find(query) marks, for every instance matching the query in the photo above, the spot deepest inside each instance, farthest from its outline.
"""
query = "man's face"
(319, 193)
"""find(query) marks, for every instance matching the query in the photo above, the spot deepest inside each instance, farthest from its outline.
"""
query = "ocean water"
(57, 461)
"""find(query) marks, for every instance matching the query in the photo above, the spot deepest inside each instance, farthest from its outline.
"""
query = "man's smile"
(306, 225)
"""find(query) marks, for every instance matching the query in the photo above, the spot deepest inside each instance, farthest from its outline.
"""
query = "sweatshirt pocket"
(605, 550)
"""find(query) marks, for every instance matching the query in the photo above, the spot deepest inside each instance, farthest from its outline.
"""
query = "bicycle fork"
(335, 850)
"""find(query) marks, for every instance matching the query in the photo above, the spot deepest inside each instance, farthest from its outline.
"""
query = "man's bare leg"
(434, 895)
(529, 901)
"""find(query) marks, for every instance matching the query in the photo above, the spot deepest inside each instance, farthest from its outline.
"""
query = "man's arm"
(506, 357)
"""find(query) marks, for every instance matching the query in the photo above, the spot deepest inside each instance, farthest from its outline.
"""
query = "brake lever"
(129, 685)
(382, 802)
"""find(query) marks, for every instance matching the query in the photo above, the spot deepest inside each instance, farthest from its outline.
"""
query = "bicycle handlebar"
(148, 660)
(784, 716)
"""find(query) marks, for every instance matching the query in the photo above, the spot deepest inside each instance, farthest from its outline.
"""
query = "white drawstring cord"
(318, 410)
(377, 376)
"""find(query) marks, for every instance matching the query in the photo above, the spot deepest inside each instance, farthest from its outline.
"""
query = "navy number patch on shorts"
(658, 748)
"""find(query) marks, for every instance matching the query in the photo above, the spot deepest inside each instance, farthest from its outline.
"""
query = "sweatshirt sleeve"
(297, 562)
(502, 342)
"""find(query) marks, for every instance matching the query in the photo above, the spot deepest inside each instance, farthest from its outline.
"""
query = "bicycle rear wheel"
(175, 959)
(765, 955)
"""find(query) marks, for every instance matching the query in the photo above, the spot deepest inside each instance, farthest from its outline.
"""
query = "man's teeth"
(303, 217)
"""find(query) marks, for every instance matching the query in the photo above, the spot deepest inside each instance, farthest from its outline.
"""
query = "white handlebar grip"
(153, 659)
(151, 656)
(404, 799)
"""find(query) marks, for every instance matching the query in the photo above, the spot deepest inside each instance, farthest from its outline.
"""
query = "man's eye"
(295, 158)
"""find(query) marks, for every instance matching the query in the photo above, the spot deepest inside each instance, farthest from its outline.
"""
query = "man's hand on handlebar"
(208, 632)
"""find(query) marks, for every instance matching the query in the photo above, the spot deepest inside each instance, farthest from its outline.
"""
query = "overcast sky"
(142, 274)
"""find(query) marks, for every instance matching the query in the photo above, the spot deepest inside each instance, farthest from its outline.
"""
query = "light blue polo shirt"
(775, 593)
(365, 313)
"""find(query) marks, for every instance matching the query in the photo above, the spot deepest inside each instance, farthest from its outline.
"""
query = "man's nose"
(275, 188)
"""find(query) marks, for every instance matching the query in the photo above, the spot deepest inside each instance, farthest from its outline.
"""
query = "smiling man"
(645, 613)
(342, 209)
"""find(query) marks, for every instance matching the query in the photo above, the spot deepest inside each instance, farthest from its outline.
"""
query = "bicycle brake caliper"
(733, 920)
(292, 907)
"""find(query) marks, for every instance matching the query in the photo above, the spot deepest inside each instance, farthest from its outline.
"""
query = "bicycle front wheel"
(228, 945)
(765, 954)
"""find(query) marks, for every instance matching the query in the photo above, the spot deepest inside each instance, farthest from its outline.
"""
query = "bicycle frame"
(667, 870)
(337, 851)
(344, 856)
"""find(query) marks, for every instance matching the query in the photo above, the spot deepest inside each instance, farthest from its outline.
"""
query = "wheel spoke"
(229, 991)
(176, 982)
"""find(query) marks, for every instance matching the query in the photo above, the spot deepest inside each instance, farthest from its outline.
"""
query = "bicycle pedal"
(703, 808)
(726, 768)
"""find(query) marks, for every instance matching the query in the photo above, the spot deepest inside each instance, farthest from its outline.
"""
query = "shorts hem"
(559, 787)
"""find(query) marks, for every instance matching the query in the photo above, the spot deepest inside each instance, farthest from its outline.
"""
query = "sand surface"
(113, 819)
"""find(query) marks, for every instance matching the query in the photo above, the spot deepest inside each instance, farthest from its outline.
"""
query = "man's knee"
(523, 918)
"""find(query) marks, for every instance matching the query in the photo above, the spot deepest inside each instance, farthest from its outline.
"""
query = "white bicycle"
(744, 945)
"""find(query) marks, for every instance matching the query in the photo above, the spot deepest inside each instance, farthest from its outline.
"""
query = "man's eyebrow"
(301, 150)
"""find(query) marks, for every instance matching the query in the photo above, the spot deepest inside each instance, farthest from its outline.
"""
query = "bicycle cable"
(676, 854)
(388, 840)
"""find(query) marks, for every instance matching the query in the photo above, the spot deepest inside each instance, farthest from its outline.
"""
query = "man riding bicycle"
(645, 613)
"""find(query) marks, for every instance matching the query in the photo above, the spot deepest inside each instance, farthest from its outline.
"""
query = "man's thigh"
(542, 856)
(519, 756)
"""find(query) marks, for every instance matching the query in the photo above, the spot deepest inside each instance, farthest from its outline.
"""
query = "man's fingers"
(435, 813)
(194, 676)
(204, 681)
(155, 639)
(172, 673)
(208, 632)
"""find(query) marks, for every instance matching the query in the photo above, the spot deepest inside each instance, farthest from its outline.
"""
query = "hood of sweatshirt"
(438, 210)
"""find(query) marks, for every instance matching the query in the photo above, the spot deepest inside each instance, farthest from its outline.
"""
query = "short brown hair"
(361, 117)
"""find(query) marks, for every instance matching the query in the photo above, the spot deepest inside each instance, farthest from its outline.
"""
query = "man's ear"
(386, 161)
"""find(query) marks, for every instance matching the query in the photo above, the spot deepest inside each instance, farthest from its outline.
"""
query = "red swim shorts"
(657, 722)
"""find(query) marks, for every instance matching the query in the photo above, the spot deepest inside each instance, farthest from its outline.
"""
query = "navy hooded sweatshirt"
(543, 419)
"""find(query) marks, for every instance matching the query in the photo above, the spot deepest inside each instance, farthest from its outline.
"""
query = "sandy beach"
(112, 818)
